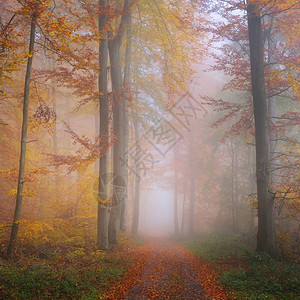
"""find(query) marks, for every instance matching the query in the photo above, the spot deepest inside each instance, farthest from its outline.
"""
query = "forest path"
(165, 270)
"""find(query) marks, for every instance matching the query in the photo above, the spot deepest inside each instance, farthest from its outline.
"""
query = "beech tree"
(265, 233)
(103, 211)
(276, 83)
(114, 46)
(34, 10)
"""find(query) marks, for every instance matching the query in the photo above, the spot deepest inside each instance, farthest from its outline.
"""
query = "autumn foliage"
(175, 78)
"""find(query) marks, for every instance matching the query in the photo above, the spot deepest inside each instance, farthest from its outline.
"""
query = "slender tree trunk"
(183, 213)
(127, 77)
(97, 133)
(236, 189)
(233, 200)
(192, 187)
(21, 180)
(136, 205)
(232, 195)
(192, 207)
(176, 225)
(103, 211)
(54, 135)
(137, 175)
(265, 233)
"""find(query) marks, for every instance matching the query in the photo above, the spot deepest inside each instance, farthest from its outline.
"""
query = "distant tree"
(176, 192)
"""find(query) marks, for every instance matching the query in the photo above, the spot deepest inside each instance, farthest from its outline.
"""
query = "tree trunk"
(233, 199)
(176, 226)
(136, 205)
(118, 153)
(192, 186)
(252, 189)
(236, 188)
(126, 123)
(97, 133)
(103, 189)
(265, 233)
(272, 110)
(21, 180)
(183, 213)
(54, 135)
(119, 186)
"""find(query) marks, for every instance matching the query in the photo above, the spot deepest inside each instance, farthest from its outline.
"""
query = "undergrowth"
(65, 272)
(248, 274)
(48, 283)
(217, 248)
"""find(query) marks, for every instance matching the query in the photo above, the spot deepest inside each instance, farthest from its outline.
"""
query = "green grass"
(47, 279)
(259, 277)
(217, 248)
(265, 278)
(137, 240)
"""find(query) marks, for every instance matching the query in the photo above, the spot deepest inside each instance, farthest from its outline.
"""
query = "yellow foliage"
(253, 202)
(26, 192)
(35, 232)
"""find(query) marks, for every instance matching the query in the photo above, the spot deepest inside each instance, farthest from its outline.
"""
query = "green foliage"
(258, 276)
(264, 277)
(137, 240)
(216, 247)
(56, 284)
(77, 275)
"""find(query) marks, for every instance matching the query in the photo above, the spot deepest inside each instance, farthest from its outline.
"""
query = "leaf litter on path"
(164, 270)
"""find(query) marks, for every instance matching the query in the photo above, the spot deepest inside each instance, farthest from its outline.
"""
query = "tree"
(192, 180)
(176, 192)
(114, 46)
(137, 178)
(127, 90)
(265, 231)
(103, 211)
(15, 224)
(278, 75)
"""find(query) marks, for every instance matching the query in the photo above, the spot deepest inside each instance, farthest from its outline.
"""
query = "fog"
(156, 213)
(160, 114)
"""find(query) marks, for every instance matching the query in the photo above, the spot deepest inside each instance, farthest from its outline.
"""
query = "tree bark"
(265, 233)
(103, 192)
(21, 180)
(272, 109)
(116, 78)
(252, 188)
(118, 123)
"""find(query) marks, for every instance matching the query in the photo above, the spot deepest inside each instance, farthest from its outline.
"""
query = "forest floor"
(208, 267)
(165, 270)
(148, 268)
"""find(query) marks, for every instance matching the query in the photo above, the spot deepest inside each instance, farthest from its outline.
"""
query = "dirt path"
(167, 271)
